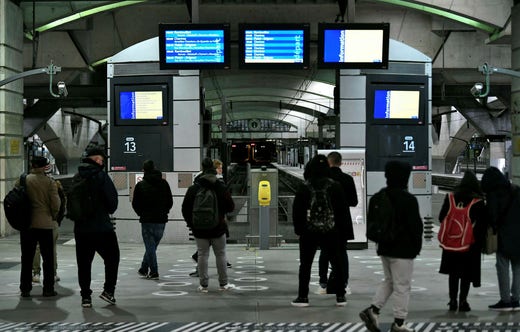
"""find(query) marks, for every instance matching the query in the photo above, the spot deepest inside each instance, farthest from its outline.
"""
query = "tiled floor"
(266, 283)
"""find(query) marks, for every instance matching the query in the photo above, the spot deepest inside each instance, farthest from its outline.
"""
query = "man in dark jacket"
(152, 201)
(347, 232)
(97, 234)
(504, 210)
(397, 255)
(215, 237)
(317, 173)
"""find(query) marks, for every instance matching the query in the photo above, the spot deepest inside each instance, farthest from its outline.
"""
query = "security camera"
(476, 90)
(62, 89)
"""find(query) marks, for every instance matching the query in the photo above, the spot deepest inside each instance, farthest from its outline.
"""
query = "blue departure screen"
(144, 105)
(274, 46)
(194, 46)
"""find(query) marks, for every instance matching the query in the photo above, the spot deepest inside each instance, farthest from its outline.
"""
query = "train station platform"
(266, 283)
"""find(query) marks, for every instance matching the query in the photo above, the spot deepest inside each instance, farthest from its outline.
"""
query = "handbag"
(490, 243)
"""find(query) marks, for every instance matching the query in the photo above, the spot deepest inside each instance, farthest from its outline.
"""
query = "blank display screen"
(396, 104)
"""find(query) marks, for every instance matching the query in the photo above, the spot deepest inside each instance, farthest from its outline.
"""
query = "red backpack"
(456, 231)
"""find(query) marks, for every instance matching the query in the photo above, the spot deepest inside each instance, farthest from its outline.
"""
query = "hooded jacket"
(503, 201)
(409, 226)
(107, 198)
(225, 203)
(152, 198)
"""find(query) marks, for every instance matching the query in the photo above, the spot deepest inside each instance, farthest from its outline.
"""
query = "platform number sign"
(408, 144)
(130, 146)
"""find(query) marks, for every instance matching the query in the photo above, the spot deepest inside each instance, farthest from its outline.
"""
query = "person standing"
(464, 267)
(503, 201)
(152, 201)
(45, 204)
(347, 231)
(317, 175)
(97, 235)
(397, 255)
(36, 269)
(213, 237)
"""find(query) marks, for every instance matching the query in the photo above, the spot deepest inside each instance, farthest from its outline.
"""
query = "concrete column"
(515, 95)
(497, 155)
(11, 102)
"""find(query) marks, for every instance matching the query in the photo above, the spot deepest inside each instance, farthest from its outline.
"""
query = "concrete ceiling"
(456, 47)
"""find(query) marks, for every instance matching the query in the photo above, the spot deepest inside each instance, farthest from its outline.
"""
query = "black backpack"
(17, 206)
(205, 209)
(81, 199)
(320, 216)
(381, 218)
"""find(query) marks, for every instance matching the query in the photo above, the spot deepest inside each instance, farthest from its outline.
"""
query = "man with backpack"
(503, 201)
(319, 215)
(45, 204)
(397, 248)
(93, 193)
(204, 207)
(347, 231)
(152, 200)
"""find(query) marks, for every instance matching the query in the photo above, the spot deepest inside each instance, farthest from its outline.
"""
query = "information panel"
(274, 46)
(194, 46)
(342, 46)
(141, 105)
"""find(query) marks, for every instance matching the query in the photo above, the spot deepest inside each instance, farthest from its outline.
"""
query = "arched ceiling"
(80, 35)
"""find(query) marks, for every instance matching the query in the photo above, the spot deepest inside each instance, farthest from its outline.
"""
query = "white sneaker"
(202, 289)
(36, 278)
(348, 291)
(402, 328)
(321, 290)
(226, 287)
(370, 319)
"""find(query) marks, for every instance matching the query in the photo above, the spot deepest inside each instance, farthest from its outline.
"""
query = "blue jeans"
(152, 235)
(509, 291)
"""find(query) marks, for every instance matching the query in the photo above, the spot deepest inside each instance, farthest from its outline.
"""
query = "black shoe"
(515, 305)
(153, 276)
(341, 301)
(501, 306)
(86, 302)
(229, 265)
(300, 302)
(195, 257)
(109, 297)
(464, 307)
(49, 293)
(143, 273)
(194, 274)
(452, 305)
(25, 294)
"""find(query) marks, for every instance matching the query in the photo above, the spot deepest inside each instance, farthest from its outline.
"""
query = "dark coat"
(224, 201)
(503, 201)
(107, 198)
(152, 198)
(302, 203)
(409, 228)
(349, 189)
(467, 264)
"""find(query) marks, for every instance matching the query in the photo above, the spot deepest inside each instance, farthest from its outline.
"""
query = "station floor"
(266, 283)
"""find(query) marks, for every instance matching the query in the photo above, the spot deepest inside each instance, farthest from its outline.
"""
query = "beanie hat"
(38, 162)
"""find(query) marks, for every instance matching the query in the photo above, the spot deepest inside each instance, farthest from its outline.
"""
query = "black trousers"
(28, 241)
(87, 245)
(309, 244)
